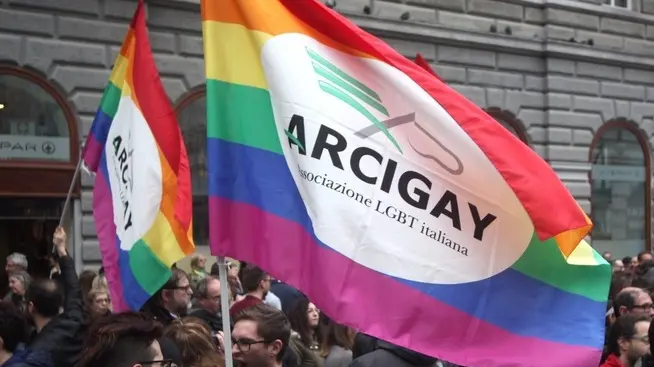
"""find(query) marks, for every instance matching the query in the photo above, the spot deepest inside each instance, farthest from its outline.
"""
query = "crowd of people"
(66, 320)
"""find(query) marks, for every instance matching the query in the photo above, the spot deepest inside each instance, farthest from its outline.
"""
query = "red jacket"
(243, 304)
(613, 361)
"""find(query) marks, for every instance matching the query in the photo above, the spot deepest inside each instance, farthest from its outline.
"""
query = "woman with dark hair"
(304, 318)
(627, 342)
(336, 345)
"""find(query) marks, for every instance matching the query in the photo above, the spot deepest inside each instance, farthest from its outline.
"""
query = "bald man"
(633, 301)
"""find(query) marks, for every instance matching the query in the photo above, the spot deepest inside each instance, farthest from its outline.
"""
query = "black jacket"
(63, 336)
(212, 320)
(388, 354)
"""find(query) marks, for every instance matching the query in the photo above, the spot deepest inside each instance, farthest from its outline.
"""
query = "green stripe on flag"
(110, 100)
(544, 261)
(241, 115)
(148, 270)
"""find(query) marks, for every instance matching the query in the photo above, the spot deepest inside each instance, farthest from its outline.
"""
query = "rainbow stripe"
(157, 210)
(549, 305)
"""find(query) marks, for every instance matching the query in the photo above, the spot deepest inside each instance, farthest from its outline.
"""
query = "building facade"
(573, 79)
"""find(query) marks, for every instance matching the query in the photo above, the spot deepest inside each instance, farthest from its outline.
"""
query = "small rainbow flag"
(398, 206)
(142, 193)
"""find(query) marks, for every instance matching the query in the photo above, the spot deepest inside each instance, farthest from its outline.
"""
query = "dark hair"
(120, 340)
(626, 260)
(156, 299)
(336, 334)
(202, 286)
(45, 296)
(271, 324)
(12, 326)
(297, 315)
(252, 276)
(623, 328)
(626, 298)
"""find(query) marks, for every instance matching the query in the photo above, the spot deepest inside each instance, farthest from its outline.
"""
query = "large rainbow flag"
(142, 193)
(398, 206)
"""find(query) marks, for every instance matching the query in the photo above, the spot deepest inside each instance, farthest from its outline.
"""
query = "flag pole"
(224, 309)
(69, 195)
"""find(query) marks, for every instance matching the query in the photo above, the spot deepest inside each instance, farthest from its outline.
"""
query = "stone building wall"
(562, 68)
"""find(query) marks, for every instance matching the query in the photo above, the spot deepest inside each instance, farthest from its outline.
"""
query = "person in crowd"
(627, 342)
(98, 303)
(607, 256)
(645, 256)
(198, 269)
(12, 338)
(617, 266)
(126, 339)
(208, 301)
(272, 299)
(16, 262)
(195, 342)
(286, 293)
(336, 345)
(18, 284)
(86, 282)
(629, 262)
(57, 313)
(257, 284)
(387, 354)
(632, 300)
(100, 282)
(233, 279)
(260, 336)
(304, 317)
(172, 300)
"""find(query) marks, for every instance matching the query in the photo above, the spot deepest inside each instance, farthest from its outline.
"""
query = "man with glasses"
(172, 300)
(628, 341)
(125, 339)
(633, 301)
(260, 336)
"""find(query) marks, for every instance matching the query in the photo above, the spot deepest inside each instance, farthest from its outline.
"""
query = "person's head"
(19, 282)
(260, 336)
(100, 282)
(334, 334)
(16, 262)
(304, 317)
(126, 339)
(198, 262)
(99, 302)
(628, 337)
(617, 265)
(607, 256)
(12, 327)
(645, 256)
(208, 294)
(232, 269)
(195, 342)
(175, 295)
(86, 281)
(44, 298)
(629, 262)
(255, 280)
(634, 301)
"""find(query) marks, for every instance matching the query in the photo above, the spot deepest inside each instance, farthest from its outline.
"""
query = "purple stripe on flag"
(92, 153)
(365, 299)
(103, 214)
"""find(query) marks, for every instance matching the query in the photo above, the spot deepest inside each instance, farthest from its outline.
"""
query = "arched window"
(510, 122)
(192, 117)
(620, 195)
(37, 133)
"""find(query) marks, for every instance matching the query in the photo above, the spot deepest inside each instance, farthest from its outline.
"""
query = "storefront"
(573, 80)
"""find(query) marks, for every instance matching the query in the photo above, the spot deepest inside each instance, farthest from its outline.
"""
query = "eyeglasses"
(161, 363)
(644, 339)
(245, 344)
(646, 306)
(185, 288)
